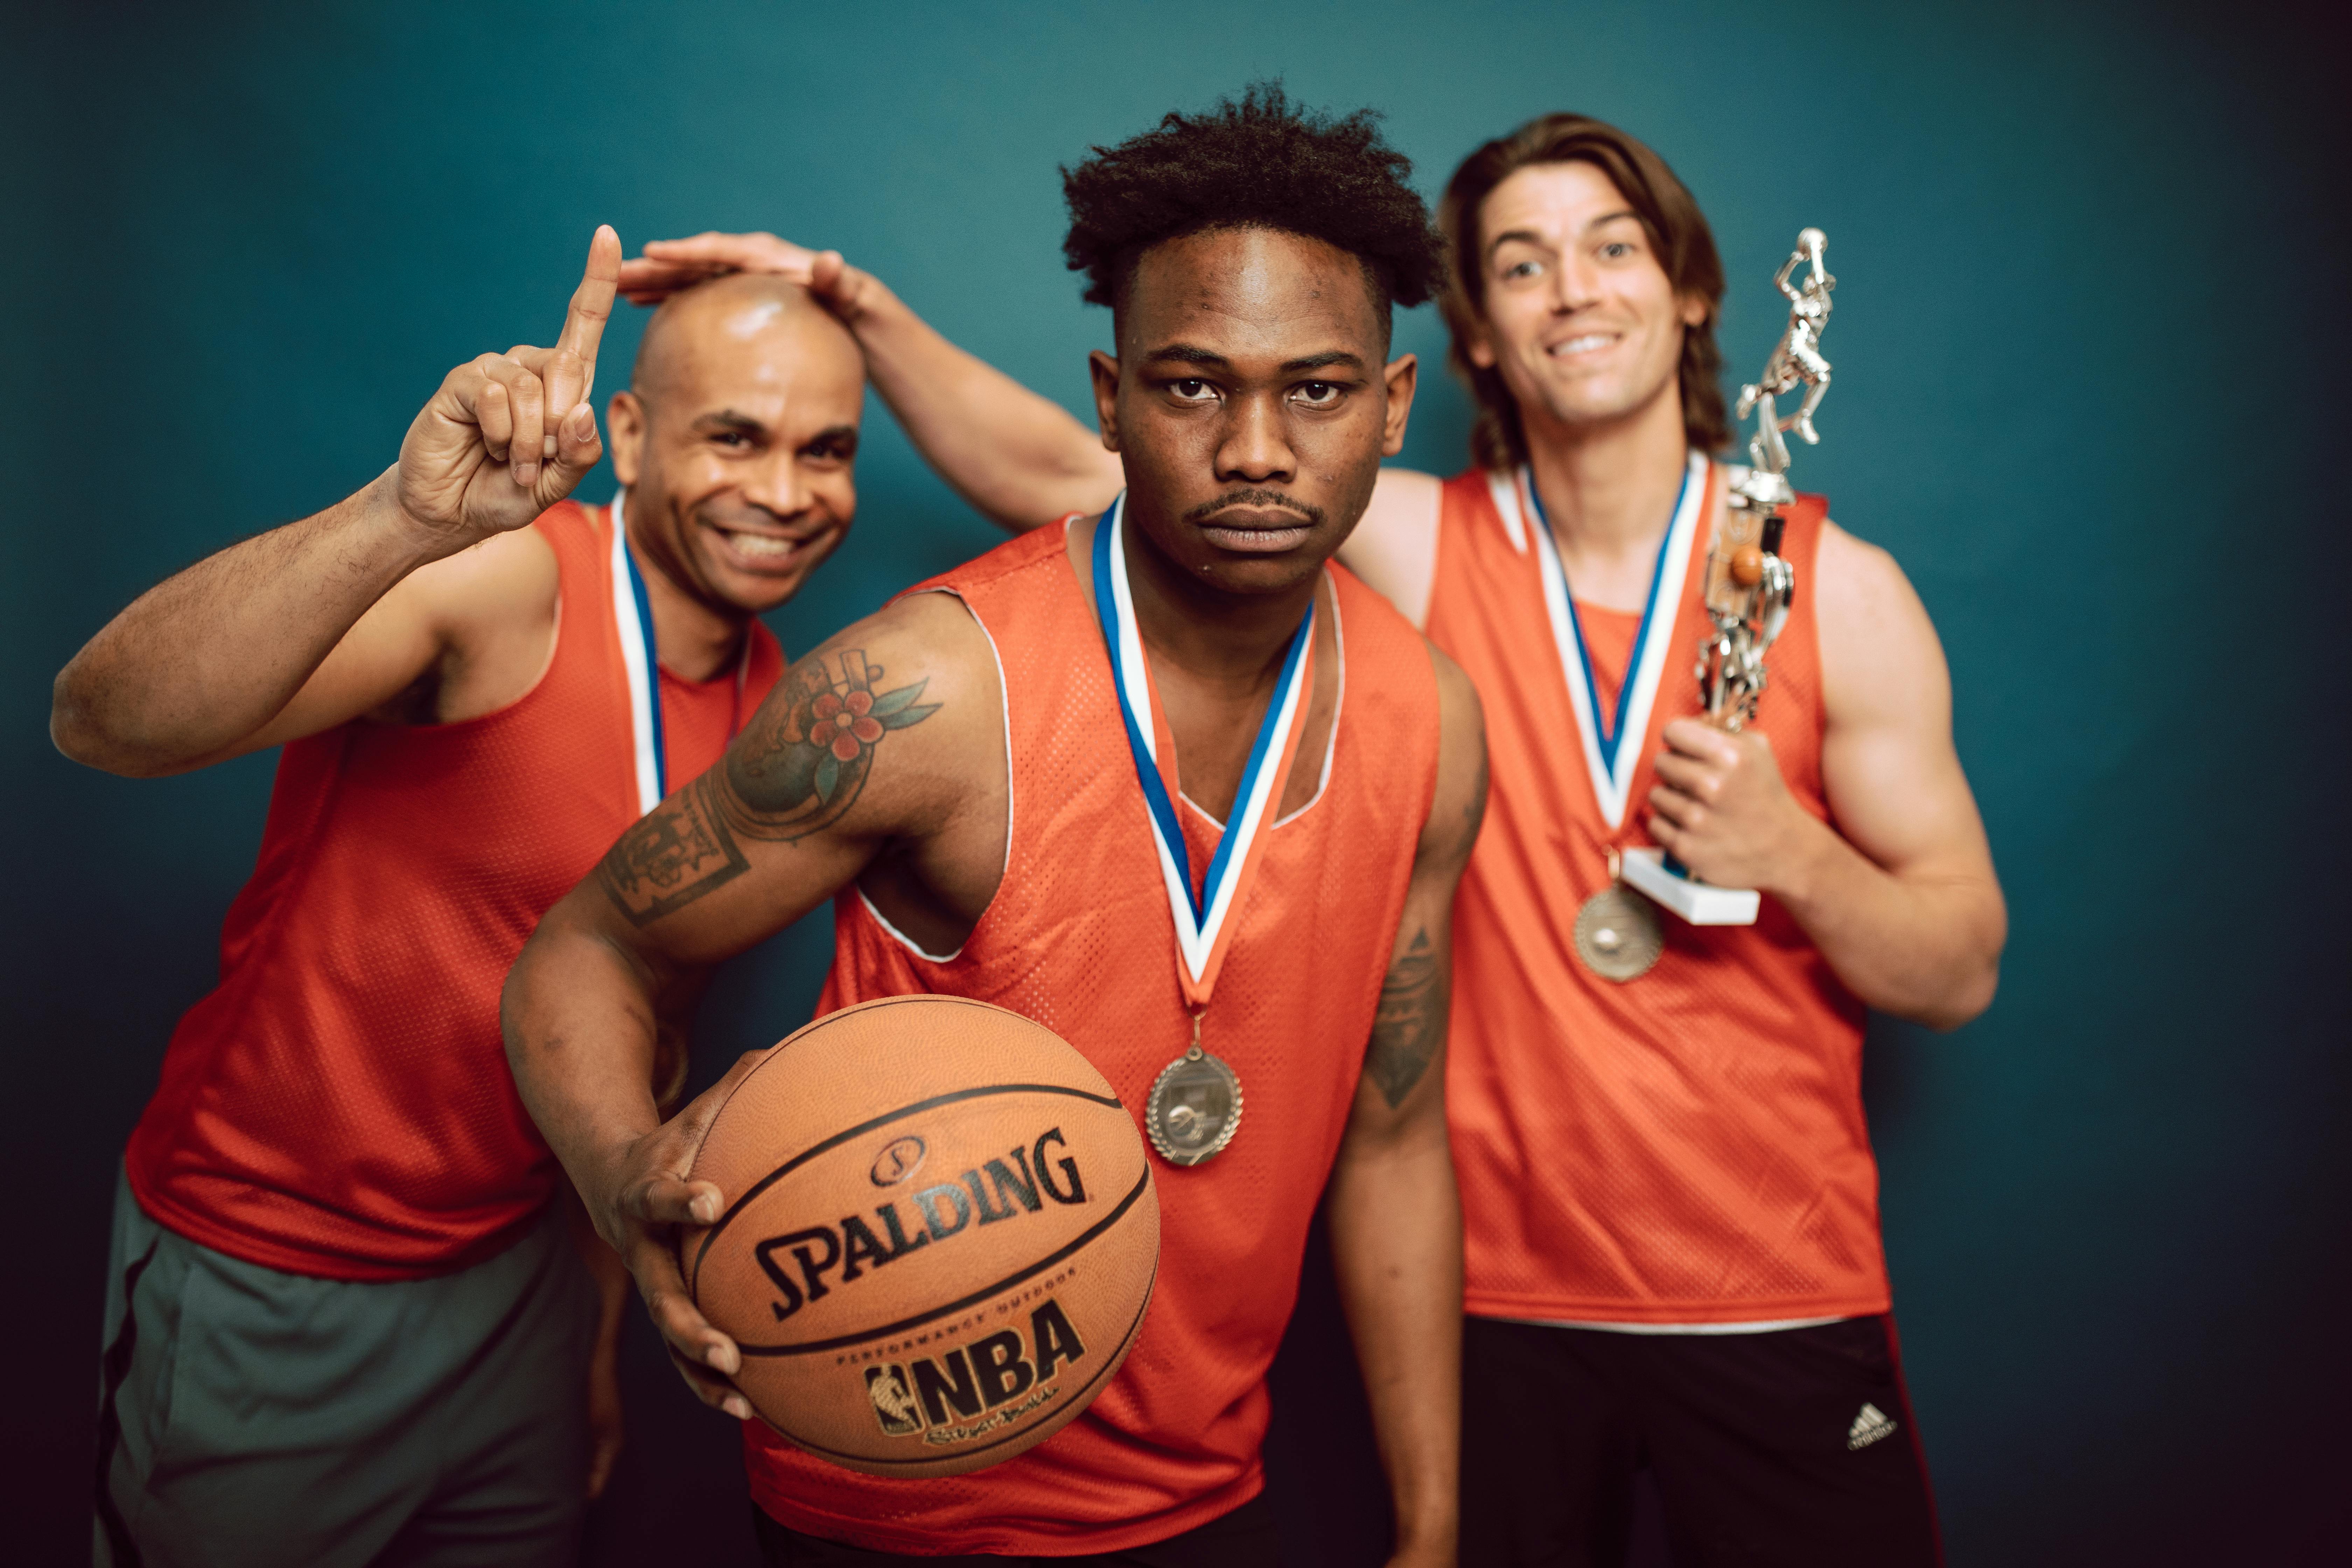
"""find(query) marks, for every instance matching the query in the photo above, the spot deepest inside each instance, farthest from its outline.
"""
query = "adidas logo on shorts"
(1868, 1428)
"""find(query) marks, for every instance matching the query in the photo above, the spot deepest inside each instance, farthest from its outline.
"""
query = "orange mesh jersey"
(1686, 1147)
(1081, 939)
(339, 1105)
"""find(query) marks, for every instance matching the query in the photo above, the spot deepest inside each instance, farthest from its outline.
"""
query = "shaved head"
(735, 438)
(735, 310)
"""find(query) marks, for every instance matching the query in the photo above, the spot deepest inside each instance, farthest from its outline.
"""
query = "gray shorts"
(255, 1418)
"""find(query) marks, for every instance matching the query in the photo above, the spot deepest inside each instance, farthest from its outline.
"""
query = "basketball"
(940, 1238)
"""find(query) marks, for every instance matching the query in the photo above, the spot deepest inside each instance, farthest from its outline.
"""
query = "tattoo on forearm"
(680, 851)
(798, 768)
(805, 759)
(1410, 1022)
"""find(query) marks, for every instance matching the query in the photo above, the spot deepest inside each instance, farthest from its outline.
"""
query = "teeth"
(1578, 345)
(762, 544)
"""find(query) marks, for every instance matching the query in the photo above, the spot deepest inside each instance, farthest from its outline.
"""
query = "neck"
(693, 640)
(1609, 492)
(1232, 641)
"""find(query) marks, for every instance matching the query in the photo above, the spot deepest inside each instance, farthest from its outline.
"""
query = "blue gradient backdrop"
(2087, 331)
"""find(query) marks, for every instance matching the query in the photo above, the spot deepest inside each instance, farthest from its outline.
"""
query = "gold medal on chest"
(1617, 931)
(1195, 1106)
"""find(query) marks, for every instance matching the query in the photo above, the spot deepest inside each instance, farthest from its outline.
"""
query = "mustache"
(1256, 497)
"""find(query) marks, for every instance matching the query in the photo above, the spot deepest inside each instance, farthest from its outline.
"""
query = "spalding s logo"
(900, 1158)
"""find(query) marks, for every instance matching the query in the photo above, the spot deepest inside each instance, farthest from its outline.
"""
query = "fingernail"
(584, 424)
(547, 447)
(704, 1207)
(739, 1407)
(526, 473)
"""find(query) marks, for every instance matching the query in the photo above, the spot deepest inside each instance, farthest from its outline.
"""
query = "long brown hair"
(1677, 231)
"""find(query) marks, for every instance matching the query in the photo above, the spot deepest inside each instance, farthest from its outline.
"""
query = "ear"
(1696, 309)
(1402, 374)
(624, 423)
(1476, 346)
(1105, 370)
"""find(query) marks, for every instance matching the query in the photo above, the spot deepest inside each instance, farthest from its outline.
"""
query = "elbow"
(78, 728)
(86, 726)
(1962, 999)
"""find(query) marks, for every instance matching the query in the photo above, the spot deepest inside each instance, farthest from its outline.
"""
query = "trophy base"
(1698, 902)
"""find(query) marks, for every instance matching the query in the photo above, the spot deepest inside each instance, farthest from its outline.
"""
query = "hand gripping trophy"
(1748, 586)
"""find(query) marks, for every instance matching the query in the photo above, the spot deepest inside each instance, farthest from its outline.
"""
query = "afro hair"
(1262, 163)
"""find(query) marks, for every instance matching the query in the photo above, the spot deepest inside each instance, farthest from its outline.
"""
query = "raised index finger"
(592, 303)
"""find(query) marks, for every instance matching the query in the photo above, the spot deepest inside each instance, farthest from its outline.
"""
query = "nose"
(1575, 283)
(778, 485)
(1254, 447)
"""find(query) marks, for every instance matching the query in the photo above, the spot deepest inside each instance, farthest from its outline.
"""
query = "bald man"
(345, 1323)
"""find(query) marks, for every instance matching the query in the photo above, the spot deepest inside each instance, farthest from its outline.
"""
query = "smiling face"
(737, 441)
(1579, 316)
(1250, 403)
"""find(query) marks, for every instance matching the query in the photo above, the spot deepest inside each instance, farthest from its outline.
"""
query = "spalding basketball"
(939, 1240)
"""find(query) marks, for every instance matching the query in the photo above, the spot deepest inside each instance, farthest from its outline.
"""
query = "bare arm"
(1395, 1219)
(1900, 896)
(761, 839)
(312, 624)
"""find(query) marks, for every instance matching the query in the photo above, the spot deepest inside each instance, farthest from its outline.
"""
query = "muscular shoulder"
(887, 727)
(1394, 547)
(1879, 650)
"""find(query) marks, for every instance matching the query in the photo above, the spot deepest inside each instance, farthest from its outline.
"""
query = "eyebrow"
(1529, 237)
(729, 419)
(1192, 354)
(831, 433)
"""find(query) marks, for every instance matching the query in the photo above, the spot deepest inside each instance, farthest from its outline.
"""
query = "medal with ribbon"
(1195, 1106)
(632, 619)
(1617, 931)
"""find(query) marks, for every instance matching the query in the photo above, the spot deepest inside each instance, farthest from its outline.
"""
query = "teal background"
(2089, 324)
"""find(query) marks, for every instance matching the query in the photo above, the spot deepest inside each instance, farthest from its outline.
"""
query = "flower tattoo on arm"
(796, 770)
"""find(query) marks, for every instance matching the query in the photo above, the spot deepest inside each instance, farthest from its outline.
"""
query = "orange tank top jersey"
(1686, 1147)
(339, 1106)
(1080, 937)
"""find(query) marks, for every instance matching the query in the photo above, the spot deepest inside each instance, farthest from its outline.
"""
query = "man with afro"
(1106, 706)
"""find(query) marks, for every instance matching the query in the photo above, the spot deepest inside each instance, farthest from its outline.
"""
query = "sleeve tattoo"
(1410, 1022)
(795, 771)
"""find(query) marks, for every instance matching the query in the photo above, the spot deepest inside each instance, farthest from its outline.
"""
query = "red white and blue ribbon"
(632, 619)
(1612, 742)
(1206, 922)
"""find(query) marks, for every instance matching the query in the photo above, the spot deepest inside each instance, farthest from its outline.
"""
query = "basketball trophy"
(1748, 585)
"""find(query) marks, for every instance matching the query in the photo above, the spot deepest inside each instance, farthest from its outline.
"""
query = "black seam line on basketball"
(1142, 1182)
(1111, 1364)
(863, 1128)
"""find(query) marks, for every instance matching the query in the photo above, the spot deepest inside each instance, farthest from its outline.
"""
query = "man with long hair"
(1670, 1201)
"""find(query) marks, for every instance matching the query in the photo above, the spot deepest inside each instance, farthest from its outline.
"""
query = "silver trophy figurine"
(1748, 585)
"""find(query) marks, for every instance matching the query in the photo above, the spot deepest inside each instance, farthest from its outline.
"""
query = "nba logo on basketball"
(957, 1394)
(893, 1402)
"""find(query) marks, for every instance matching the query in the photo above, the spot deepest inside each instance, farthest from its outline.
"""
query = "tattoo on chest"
(796, 768)
(1410, 1023)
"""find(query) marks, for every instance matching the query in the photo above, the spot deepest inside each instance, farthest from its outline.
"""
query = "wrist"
(401, 533)
(1805, 862)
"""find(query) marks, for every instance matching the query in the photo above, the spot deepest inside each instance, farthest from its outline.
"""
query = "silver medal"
(1617, 934)
(1194, 1110)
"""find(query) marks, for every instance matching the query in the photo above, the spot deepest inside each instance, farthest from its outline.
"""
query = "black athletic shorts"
(1246, 1538)
(1792, 1445)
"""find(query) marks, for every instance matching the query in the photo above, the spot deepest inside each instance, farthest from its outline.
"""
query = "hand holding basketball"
(509, 435)
(641, 1201)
